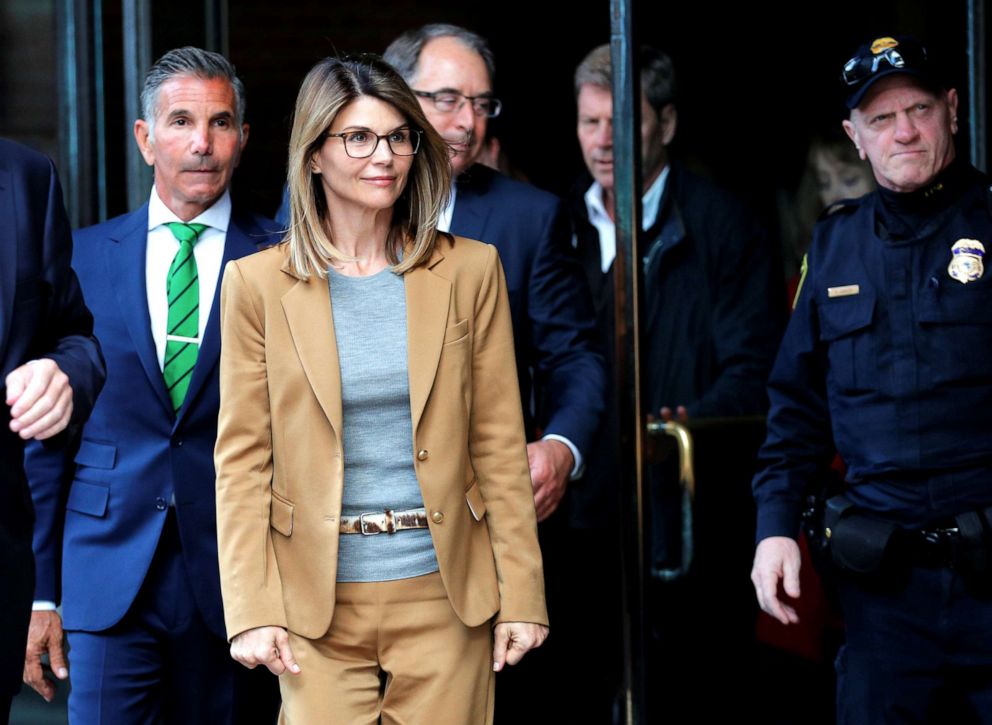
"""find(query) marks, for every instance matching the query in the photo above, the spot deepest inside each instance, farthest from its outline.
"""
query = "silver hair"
(404, 52)
(189, 61)
(657, 74)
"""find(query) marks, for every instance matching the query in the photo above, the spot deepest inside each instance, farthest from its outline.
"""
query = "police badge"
(966, 260)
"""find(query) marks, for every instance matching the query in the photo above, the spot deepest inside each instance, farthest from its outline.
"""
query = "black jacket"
(714, 305)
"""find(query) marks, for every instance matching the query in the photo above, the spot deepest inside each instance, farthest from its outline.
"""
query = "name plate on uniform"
(847, 290)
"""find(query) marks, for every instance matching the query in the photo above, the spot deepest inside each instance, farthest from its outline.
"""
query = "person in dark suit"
(139, 585)
(713, 315)
(51, 366)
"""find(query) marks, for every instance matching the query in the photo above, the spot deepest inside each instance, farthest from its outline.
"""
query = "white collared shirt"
(444, 221)
(606, 227)
(162, 248)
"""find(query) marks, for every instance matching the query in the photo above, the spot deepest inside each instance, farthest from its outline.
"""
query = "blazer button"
(437, 517)
(160, 504)
(422, 454)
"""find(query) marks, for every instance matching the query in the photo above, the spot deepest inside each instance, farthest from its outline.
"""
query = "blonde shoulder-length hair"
(330, 86)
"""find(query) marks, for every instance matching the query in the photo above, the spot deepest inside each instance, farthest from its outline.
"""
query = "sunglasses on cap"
(884, 54)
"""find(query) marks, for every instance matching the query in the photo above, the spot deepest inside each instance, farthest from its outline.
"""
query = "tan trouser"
(394, 649)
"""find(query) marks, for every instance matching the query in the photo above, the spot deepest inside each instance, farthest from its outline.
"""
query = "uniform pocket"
(956, 323)
(847, 328)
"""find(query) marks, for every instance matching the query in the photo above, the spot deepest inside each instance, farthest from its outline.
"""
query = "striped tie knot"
(186, 233)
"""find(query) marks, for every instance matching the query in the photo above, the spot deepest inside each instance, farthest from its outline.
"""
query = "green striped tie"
(183, 289)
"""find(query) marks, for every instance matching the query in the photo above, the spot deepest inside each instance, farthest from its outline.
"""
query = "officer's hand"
(267, 646)
(44, 636)
(777, 560)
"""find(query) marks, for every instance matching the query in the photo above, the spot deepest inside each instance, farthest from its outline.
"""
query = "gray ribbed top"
(370, 328)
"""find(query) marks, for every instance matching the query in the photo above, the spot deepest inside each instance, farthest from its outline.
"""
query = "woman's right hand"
(267, 646)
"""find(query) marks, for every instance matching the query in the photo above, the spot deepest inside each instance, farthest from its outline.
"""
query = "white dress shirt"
(650, 203)
(162, 248)
(444, 221)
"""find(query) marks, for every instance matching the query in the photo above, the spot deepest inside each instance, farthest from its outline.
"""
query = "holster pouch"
(972, 554)
(860, 544)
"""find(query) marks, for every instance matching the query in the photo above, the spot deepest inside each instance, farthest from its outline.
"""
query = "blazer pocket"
(281, 515)
(457, 332)
(88, 498)
(476, 504)
(96, 455)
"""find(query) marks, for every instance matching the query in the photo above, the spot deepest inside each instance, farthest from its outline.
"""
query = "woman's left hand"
(513, 640)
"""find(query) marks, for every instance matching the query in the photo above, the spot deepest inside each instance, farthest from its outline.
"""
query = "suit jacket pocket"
(96, 455)
(88, 498)
(457, 332)
(476, 504)
(281, 515)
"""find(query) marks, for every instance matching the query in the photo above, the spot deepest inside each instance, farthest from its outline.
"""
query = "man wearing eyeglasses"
(888, 357)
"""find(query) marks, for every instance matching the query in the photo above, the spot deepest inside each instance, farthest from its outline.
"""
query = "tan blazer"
(279, 458)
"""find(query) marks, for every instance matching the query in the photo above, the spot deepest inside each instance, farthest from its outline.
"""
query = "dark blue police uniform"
(888, 357)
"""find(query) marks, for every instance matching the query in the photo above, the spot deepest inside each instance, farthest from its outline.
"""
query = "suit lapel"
(308, 311)
(125, 257)
(8, 264)
(427, 301)
(237, 244)
(470, 213)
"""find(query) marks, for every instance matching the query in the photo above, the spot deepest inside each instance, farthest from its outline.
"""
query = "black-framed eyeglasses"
(906, 55)
(452, 101)
(362, 144)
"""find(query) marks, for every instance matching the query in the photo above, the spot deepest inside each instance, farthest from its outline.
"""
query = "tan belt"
(387, 522)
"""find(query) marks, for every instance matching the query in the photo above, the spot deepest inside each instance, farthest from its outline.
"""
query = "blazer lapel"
(125, 256)
(308, 311)
(427, 302)
(236, 244)
(8, 264)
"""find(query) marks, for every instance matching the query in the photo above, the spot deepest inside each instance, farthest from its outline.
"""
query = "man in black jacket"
(713, 303)
(50, 364)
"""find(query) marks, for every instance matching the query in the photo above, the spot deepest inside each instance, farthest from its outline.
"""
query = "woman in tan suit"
(376, 525)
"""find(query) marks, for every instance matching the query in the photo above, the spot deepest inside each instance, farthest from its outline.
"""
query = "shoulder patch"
(802, 278)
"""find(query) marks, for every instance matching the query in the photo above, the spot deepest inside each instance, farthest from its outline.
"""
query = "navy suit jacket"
(135, 453)
(559, 361)
(42, 314)
(553, 320)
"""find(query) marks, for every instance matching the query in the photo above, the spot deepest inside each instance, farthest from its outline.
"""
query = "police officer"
(888, 356)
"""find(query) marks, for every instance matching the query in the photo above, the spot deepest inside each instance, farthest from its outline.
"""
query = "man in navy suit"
(140, 587)
(50, 364)
(560, 366)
